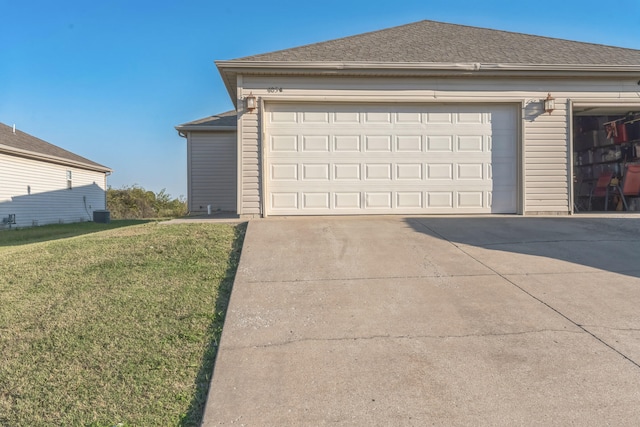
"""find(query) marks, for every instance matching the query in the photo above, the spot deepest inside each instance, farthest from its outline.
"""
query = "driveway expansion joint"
(590, 272)
(611, 328)
(349, 279)
(407, 337)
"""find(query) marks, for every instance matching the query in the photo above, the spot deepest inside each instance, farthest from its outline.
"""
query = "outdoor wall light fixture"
(251, 102)
(549, 104)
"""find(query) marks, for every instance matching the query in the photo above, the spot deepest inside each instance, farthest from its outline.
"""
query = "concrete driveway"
(432, 321)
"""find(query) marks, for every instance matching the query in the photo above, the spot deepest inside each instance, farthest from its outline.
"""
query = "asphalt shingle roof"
(227, 119)
(437, 42)
(23, 143)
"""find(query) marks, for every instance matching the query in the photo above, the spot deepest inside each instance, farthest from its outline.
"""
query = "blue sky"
(109, 80)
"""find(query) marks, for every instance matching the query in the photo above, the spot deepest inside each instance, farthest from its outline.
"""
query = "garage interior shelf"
(603, 144)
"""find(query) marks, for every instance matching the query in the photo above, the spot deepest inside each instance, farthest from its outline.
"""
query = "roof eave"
(230, 69)
(191, 128)
(474, 66)
(53, 159)
(229, 80)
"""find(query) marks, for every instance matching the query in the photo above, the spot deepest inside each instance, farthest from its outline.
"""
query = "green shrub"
(134, 202)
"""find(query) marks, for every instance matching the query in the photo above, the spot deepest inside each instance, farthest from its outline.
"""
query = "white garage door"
(390, 159)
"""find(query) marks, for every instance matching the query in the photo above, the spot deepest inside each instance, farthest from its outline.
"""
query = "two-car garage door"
(325, 159)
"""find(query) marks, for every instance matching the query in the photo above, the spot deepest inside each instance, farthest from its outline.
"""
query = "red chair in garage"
(601, 189)
(631, 183)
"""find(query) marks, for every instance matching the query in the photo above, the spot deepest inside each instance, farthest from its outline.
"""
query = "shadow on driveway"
(608, 244)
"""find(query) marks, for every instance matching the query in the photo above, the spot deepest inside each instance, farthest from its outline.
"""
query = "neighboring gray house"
(212, 164)
(423, 118)
(41, 183)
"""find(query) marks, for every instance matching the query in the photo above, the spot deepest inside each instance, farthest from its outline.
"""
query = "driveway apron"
(432, 321)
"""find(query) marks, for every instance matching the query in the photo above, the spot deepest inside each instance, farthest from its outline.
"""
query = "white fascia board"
(427, 67)
(230, 82)
(52, 159)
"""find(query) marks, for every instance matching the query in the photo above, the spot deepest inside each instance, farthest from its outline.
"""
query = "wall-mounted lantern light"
(549, 104)
(251, 102)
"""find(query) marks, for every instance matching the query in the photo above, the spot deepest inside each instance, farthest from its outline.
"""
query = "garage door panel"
(409, 117)
(440, 199)
(471, 143)
(378, 200)
(471, 199)
(315, 117)
(470, 118)
(346, 200)
(352, 159)
(315, 172)
(313, 200)
(470, 171)
(386, 201)
(346, 171)
(374, 117)
(408, 143)
(439, 118)
(284, 172)
(377, 171)
(409, 199)
(439, 171)
(286, 201)
(440, 144)
(346, 144)
(409, 171)
(378, 143)
(283, 117)
(348, 117)
(284, 143)
(316, 143)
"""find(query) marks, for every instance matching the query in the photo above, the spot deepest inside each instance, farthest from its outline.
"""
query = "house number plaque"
(274, 89)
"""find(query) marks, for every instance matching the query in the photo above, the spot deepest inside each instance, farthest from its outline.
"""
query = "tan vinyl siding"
(546, 160)
(36, 192)
(212, 178)
(251, 202)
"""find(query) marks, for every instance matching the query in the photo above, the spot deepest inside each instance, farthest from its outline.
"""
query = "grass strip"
(115, 325)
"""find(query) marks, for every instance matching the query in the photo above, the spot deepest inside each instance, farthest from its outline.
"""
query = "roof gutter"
(186, 128)
(453, 66)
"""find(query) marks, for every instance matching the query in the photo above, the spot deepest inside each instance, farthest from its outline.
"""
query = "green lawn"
(112, 324)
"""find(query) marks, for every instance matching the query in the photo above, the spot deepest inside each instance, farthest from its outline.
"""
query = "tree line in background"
(134, 202)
